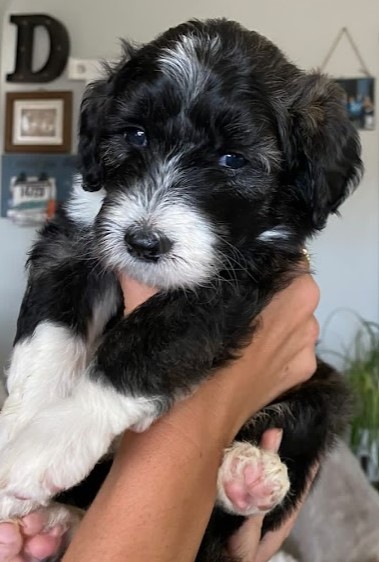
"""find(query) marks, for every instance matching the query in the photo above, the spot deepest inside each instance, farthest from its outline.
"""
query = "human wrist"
(216, 411)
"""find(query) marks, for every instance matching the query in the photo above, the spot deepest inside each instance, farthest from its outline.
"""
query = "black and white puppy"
(207, 160)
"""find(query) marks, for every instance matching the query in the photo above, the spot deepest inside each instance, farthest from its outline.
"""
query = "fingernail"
(277, 439)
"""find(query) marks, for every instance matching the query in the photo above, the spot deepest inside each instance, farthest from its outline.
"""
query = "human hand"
(282, 353)
(27, 541)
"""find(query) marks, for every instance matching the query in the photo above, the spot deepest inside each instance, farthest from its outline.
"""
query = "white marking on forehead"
(186, 62)
(152, 189)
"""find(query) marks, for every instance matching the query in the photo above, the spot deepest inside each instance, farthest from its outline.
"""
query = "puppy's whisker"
(230, 259)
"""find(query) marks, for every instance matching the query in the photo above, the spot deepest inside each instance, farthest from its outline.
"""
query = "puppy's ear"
(321, 147)
(92, 113)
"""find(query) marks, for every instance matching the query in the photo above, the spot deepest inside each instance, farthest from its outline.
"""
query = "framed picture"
(360, 101)
(38, 121)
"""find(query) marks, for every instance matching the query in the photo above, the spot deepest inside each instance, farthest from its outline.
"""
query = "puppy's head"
(209, 146)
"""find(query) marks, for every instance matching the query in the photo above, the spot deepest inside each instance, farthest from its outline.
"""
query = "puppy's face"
(200, 160)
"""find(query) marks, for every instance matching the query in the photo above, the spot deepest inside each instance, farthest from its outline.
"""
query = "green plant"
(361, 365)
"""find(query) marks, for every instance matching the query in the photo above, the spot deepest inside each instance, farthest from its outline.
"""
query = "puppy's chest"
(107, 309)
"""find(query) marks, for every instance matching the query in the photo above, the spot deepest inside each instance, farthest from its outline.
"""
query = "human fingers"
(27, 540)
(42, 546)
(10, 542)
(273, 540)
(287, 335)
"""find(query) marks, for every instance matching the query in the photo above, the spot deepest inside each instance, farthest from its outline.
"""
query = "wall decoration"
(359, 91)
(360, 101)
(57, 57)
(35, 181)
(38, 121)
(33, 199)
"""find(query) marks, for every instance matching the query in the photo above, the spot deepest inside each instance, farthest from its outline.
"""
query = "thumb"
(271, 440)
(243, 545)
(134, 293)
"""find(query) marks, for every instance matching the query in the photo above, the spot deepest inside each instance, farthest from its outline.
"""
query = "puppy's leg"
(65, 308)
(251, 481)
(49, 359)
(64, 441)
(140, 368)
(67, 303)
(44, 366)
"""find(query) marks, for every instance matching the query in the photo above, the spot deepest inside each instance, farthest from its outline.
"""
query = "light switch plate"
(83, 69)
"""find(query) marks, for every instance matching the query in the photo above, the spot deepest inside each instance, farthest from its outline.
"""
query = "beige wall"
(347, 254)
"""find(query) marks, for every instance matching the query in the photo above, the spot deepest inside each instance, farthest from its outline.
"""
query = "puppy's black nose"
(147, 245)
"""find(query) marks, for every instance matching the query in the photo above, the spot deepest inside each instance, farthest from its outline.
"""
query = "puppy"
(207, 160)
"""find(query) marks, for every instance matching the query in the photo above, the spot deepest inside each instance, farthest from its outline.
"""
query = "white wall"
(15, 243)
(347, 254)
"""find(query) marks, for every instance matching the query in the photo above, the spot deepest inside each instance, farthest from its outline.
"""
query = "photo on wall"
(38, 121)
(360, 101)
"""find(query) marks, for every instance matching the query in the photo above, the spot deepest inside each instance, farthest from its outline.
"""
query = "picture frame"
(359, 99)
(38, 121)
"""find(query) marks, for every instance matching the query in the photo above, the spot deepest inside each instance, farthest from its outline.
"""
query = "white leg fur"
(43, 368)
(63, 442)
(54, 514)
(271, 485)
(46, 366)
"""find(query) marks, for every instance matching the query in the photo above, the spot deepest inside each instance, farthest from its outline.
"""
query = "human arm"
(161, 490)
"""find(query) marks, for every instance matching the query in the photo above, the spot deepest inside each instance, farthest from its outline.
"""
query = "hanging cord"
(332, 50)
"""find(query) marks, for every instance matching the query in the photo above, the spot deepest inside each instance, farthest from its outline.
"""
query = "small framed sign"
(33, 199)
(38, 121)
(359, 97)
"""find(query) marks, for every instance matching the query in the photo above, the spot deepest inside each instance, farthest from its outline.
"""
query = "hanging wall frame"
(360, 101)
(38, 121)
(359, 91)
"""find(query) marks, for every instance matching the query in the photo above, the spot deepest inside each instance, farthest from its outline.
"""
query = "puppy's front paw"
(26, 468)
(41, 461)
(251, 481)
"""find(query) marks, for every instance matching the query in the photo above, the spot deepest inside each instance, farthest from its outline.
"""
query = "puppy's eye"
(233, 161)
(135, 136)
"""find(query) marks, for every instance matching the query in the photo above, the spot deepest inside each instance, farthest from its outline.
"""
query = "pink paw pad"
(251, 481)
